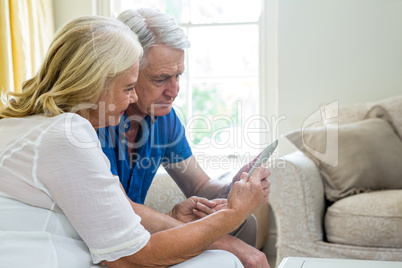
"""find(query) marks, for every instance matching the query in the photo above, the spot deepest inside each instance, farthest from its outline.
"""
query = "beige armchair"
(351, 208)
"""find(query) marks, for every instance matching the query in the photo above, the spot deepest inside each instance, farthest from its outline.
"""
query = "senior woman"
(59, 204)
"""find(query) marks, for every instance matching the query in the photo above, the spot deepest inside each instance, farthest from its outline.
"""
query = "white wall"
(345, 50)
(66, 10)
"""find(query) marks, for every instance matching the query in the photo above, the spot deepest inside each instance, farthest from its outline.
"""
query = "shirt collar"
(124, 124)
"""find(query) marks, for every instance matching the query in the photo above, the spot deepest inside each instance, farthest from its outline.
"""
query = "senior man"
(150, 134)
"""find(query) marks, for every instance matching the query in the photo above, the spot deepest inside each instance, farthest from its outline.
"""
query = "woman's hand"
(195, 208)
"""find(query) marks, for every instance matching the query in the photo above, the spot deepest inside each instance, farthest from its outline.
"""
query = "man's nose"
(173, 87)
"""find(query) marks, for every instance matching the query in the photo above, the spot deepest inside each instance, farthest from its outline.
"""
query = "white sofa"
(353, 209)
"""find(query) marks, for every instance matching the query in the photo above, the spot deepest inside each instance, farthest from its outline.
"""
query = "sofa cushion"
(361, 157)
(163, 194)
(369, 219)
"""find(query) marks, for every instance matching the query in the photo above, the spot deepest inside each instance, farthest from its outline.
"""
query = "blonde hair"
(84, 57)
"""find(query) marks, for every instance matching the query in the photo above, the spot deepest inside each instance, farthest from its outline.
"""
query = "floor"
(271, 257)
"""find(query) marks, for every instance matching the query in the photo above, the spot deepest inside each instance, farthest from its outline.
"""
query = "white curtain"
(26, 30)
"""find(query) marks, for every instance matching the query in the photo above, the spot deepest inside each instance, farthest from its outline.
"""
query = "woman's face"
(114, 102)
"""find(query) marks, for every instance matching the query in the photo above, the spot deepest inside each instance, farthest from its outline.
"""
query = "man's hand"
(265, 183)
(250, 189)
(249, 256)
(195, 208)
(202, 210)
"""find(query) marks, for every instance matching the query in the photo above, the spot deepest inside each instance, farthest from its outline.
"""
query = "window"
(221, 89)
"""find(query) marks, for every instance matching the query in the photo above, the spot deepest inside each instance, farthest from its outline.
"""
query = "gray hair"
(154, 27)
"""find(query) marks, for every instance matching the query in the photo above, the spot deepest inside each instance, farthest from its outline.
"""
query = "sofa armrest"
(164, 193)
(297, 200)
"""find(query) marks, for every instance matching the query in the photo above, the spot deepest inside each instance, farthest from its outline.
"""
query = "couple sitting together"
(71, 194)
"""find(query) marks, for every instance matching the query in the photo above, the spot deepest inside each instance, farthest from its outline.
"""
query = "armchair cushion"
(367, 154)
(368, 220)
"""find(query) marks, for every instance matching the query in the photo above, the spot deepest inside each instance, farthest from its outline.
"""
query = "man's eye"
(161, 81)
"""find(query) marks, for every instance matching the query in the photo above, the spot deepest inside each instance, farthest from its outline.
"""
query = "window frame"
(268, 63)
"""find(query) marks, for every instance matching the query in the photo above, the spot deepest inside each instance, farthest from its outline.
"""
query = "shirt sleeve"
(72, 166)
(178, 148)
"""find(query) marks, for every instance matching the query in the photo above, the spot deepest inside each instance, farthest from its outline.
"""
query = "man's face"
(158, 83)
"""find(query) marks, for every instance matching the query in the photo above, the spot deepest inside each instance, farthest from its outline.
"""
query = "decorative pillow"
(378, 112)
(366, 220)
(350, 113)
(353, 158)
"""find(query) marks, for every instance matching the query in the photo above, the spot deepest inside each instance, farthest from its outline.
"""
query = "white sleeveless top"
(60, 206)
